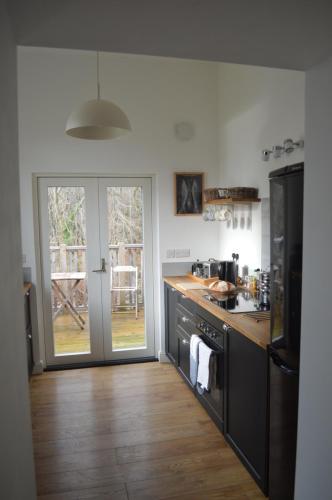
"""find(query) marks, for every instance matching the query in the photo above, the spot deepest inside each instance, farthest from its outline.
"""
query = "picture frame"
(188, 193)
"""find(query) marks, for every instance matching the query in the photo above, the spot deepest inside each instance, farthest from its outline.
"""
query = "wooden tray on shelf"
(232, 201)
(233, 195)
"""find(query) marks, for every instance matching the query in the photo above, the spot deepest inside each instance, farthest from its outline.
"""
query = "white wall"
(257, 108)
(16, 462)
(155, 93)
(236, 110)
(314, 454)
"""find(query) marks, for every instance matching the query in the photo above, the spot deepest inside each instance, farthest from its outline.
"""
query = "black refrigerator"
(286, 204)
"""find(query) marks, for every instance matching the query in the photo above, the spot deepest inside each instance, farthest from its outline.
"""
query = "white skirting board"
(38, 368)
(163, 358)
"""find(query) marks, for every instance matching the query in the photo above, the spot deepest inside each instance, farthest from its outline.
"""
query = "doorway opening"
(97, 275)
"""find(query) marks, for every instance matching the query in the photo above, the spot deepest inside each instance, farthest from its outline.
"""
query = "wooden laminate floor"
(129, 432)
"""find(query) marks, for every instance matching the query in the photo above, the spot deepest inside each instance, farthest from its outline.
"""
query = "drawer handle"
(184, 319)
(184, 341)
(173, 289)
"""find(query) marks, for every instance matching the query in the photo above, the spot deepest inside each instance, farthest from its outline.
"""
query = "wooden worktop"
(26, 287)
(258, 332)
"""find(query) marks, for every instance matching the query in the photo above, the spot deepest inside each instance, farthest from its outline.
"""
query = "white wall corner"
(163, 358)
(38, 367)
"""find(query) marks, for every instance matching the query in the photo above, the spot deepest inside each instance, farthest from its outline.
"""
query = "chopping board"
(184, 285)
(202, 281)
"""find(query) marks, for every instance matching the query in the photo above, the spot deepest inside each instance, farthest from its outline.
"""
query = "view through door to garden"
(68, 248)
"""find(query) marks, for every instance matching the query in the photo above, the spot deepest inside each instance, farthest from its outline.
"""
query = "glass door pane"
(127, 290)
(126, 257)
(69, 283)
(69, 229)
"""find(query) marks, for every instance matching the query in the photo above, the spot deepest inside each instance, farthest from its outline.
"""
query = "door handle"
(184, 341)
(102, 268)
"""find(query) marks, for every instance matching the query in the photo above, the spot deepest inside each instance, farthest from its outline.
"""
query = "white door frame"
(40, 360)
(92, 261)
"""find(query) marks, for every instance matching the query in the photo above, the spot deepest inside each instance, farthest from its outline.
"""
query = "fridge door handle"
(287, 370)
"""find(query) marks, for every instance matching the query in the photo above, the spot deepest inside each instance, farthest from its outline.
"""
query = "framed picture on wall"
(188, 188)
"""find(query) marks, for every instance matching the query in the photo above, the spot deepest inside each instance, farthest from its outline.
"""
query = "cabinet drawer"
(187, 303)
(186, 320)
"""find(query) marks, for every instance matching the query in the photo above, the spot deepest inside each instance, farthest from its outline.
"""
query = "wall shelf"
(232, 201)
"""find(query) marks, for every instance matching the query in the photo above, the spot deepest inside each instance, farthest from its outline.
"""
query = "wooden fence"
(73, 259)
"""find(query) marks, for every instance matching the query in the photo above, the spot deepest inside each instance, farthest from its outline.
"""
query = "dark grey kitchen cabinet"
(185, 327)
(171, 299)
(246, 404)
(184, 354)
(237, 401)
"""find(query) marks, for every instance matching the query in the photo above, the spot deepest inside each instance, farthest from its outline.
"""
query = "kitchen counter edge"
(257, 332)
(26, 287)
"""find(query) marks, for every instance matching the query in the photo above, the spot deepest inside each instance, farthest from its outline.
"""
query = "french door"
(96, 246)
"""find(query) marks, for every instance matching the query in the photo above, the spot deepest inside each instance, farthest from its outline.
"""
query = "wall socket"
(177, 253)
(182, 252)
(170, 253)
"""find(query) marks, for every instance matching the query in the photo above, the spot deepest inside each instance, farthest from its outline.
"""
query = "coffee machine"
(205, 269)
(227, 271)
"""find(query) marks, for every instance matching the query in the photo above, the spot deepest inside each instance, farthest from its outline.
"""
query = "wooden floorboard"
(129, 432)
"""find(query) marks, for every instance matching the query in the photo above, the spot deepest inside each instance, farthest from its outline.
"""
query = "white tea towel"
(194, 344)
(204, 366)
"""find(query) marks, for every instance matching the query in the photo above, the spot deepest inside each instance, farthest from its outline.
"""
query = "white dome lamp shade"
(97, 119)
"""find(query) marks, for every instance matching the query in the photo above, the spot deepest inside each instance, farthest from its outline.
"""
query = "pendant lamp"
(97, 119)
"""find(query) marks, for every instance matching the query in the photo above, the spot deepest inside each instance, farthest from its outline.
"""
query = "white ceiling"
(292, 34)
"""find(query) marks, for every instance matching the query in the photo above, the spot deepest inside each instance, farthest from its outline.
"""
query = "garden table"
(66, 298)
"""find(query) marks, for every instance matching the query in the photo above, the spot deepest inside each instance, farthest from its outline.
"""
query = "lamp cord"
(98, 82)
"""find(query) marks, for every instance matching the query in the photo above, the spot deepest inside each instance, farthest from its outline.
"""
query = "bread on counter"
(222, 286)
